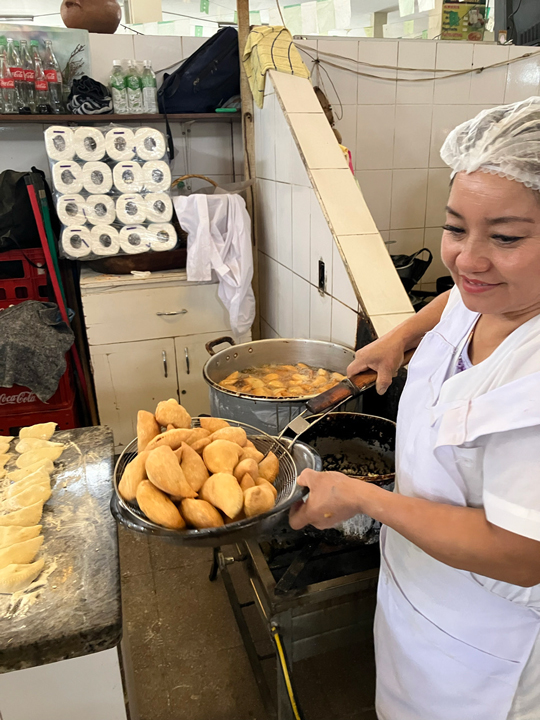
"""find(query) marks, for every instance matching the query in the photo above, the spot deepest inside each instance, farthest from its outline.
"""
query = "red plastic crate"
(18, 399)
(66, 418)
(32, 283)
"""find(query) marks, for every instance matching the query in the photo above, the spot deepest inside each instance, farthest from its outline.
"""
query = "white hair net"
(504, 141)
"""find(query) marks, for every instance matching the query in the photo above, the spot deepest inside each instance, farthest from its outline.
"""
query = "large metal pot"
(268, 414)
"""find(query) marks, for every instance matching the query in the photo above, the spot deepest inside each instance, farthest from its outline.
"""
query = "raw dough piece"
(3, 459)
(40, 477)
(233, 434)
(18, 475)
(258, 500)
(30, 515)
(194, 469)
(15, 578)
(172, 438)
(157, 506)
(170, 412)
(29, 496)
(134, 474)
(23, 552)
(4, 447)
(166, 474)
(223, 491)
(6, 438)
(17, 534)
(27, 444)
(212, 424)
(41, 430)
(221, 456)
(33, 456)
(269, 467)
(147, 429)
(200, 514)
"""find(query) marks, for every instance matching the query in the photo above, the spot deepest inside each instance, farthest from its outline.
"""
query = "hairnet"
(504, 141)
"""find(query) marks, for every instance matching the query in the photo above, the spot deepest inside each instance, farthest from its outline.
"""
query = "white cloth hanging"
(219, 240)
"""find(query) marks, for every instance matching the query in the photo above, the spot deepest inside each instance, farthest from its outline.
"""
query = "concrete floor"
(188, 658)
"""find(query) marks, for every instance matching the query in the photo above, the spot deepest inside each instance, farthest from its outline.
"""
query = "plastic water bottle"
(149, 89)
(119, 89)
(134, 91)
(53, 76)
(29, 100)
(7, 83)
(17, 73)
(41, 84)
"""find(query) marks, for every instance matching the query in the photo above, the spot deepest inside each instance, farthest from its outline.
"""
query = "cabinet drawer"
(120, 315)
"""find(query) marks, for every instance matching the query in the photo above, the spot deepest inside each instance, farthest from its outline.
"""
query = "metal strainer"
(288, 493)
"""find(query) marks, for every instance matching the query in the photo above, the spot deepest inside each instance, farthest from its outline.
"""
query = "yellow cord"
(283, 662)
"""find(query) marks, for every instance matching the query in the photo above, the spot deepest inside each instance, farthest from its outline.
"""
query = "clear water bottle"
(119, 89)
(134, 90)
(41, 84)
(17, 73)
(149, 89)
(7, 83)
(29, 99)
(53, 76)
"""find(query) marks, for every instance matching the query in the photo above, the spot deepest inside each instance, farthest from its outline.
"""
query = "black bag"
(206, 80)
(411, 268)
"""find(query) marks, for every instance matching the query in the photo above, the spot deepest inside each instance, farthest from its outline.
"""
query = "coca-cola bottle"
(41, 84)
(17, 73)
(7, 83)
(29, 78)
(54, 78)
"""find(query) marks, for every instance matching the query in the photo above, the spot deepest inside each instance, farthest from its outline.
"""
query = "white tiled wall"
(395, 127)
(310, 209)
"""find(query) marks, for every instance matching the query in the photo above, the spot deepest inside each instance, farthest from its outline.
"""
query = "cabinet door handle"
(172, 312)
(165, 368)
(186, 352)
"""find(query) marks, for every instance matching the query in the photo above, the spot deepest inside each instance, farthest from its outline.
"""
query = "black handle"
(212, 344)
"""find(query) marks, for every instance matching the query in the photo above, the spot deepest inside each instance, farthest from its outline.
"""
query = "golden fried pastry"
(233, 434)
(193, 467)
(221, 456)
(197, 434)
(147, 429)
(165, 473)
(172, 438)
(170, 412)
(200, 514)
(199, 445)
(157, 506)
(212, 424)
(251, 452)
(261, 481)
(269, 467)
(258, 500)
(223, 491)
(247, 481)
(246, 466)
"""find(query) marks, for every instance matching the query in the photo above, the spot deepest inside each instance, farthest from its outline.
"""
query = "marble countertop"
(74, 608)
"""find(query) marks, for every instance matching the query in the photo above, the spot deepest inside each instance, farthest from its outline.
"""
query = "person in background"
(458, 616)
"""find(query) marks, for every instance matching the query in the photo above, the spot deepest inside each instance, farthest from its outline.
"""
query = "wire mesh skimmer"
(288, 493)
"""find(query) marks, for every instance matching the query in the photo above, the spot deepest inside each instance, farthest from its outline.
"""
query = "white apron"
(447, 648)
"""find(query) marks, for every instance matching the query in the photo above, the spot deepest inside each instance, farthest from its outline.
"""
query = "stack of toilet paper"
(112, 189)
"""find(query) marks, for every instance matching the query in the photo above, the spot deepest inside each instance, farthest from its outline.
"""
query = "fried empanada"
(170, 412)
(233, 434)
(247, 481)
(199, 445)
(171, 438)
(248, 465)
(221, 456)
(165, 473)
(200, 513)
(193, 467)
(258, 500)
(147, 429)
(157, 506)
(134, 473)
(212, 424)
(269, 467)
(223, 491)
(263, 482)
(251, 452)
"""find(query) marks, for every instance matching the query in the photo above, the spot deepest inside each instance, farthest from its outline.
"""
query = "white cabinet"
(147, 342)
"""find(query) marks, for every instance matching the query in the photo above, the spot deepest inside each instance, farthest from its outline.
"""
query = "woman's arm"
(461, 537)
(385, 355)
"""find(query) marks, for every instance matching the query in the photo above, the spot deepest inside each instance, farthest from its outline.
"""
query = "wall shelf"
(112, 118)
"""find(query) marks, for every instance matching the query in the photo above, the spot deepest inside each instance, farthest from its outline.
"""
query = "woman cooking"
(458, 616)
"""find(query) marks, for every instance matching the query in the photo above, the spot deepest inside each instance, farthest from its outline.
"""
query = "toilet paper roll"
(159, 207)
(59, 143)
(70, 209)
(104, 240)
(156, 176)
(134, 239)
(97, 177)
(149, 144)
(120, 144)
(99, 210)
(162, 236)
(89, 143)
(131, 209)
(76, 241)
(128, 177)
(67, 177)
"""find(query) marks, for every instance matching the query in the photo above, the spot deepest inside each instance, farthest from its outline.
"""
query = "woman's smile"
(473, 286)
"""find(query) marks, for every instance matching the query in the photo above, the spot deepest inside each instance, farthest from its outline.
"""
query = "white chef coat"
(450, 644)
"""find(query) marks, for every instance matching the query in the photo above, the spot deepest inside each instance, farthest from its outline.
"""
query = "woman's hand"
(385, 356)
(333, 498)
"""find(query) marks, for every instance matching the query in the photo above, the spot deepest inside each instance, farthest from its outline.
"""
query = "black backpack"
(206, 80)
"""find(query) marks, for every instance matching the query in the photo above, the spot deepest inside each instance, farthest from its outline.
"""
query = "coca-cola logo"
(25, 396)
(29, 75)
(17, 73)
(7, 83)
(42, 85)
(51, 75)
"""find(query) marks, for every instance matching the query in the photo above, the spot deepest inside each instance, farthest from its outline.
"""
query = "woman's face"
(491, 244)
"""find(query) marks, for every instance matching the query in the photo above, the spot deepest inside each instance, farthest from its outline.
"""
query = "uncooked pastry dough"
(29, 496)
(41, 430)
(29, 458)
(30, 515)
(32, 443)
(40, 477)
(17, 534)
(4, 457)
(15, 578)
(6, 438)
(18, 475)
(4, 447)
(23, 552)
